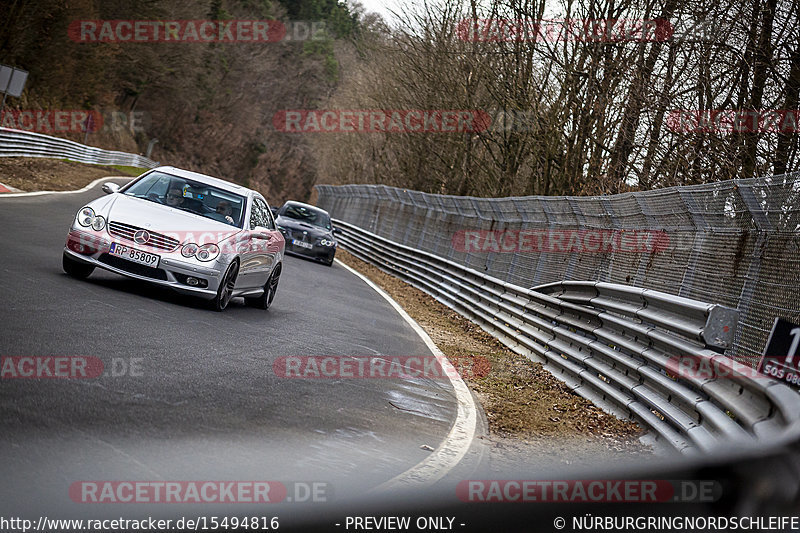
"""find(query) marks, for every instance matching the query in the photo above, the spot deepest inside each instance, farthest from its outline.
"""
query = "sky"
(381, 7)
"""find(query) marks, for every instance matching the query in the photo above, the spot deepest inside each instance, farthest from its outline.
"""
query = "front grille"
(133, 268)
(298, 235)
(157, 240)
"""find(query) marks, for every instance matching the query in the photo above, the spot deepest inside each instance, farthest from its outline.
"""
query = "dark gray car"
(308, 231)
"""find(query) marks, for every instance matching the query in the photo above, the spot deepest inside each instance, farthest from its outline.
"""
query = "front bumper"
(173, 269)
(317, 252)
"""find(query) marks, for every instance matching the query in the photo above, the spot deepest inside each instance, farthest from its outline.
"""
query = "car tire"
(329, 263)
(225, 290)
(76, 269)
(265, 300)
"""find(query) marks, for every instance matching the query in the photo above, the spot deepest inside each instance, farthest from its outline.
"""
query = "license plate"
(302, 244)
(132, 254)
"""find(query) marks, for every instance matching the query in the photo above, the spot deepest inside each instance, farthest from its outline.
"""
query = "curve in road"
(190, 394)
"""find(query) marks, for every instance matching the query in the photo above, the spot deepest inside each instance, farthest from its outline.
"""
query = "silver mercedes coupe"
(193, 233)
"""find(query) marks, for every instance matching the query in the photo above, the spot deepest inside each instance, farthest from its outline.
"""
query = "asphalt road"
(195, 396)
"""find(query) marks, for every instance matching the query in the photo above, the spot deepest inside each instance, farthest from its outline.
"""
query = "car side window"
(267, 214)
(255, 215)
(261, 217)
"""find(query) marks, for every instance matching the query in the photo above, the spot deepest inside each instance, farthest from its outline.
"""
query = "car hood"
(295, 225)
(157, 217)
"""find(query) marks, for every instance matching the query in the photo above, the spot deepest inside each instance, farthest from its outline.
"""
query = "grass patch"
(130, 171)
(44, 174)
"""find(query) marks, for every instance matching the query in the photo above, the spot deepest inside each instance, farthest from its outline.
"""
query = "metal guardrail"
(644, 355)
(18, 143)
(711, 324)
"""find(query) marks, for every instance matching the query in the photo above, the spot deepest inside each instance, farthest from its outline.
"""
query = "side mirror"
(110, 188)
(337, 230)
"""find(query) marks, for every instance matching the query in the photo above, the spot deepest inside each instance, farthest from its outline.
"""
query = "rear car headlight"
(207, 252)
(189, 250)
(86, 216)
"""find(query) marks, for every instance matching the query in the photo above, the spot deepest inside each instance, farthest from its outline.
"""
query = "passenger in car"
(224, 212)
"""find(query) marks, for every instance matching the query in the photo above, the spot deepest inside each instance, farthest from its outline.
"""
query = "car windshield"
(189, 195)
(307, 215)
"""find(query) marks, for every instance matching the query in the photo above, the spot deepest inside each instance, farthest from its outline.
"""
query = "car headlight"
(189, 250)
(207, 252)
(86, 216)
(98, 223)
(326, 242)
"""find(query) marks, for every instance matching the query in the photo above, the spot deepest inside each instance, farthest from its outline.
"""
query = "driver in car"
(175, 197)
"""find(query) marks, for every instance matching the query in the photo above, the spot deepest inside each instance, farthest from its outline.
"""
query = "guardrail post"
(608, 206)
(640, 275)
(524, 222)
(700, 229)
(764, 227)
(540, 263)
(581, 224)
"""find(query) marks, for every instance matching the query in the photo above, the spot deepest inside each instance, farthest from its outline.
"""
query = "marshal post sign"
(781, 358)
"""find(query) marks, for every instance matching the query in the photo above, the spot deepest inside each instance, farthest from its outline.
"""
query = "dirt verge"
(39, 174)
(526, 406)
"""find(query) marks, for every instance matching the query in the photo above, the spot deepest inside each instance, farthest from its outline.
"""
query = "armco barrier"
(644, 355)
(18, 143)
